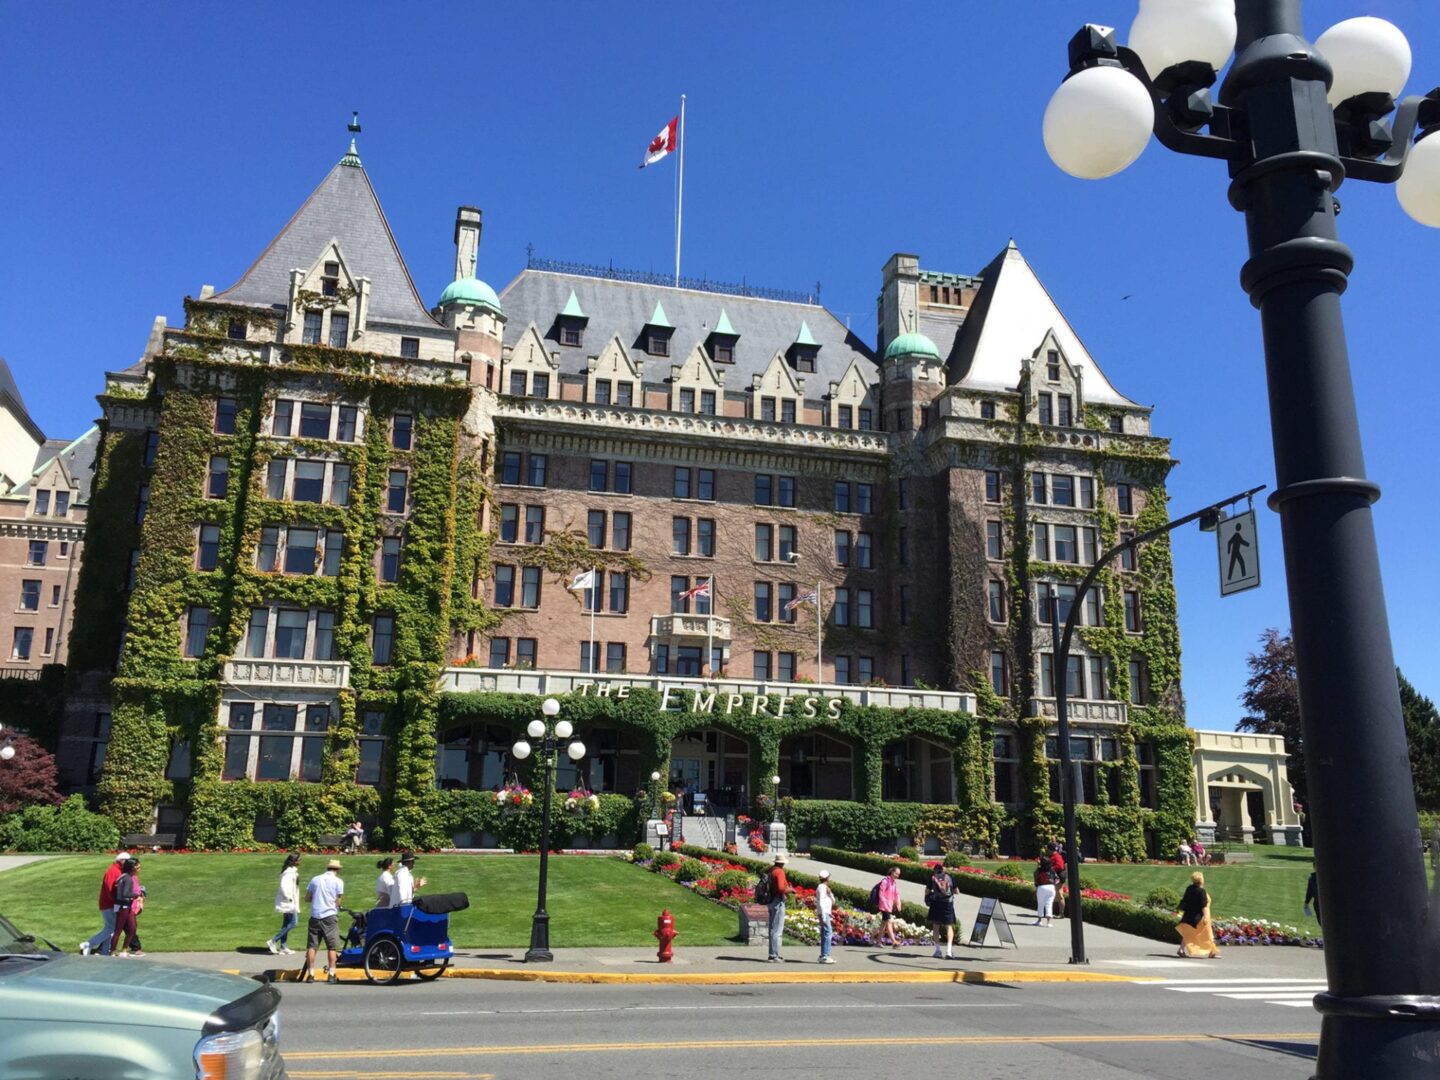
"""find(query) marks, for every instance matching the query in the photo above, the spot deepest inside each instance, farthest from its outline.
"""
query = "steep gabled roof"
(76, 458)
(1008, 320)
(343, 208)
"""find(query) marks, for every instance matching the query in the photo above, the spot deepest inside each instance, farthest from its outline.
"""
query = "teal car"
(65, 1017)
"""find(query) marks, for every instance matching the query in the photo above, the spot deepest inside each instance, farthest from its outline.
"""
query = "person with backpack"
(940, 899)
(886, 898)
(1044, 891)
(129, 899)
(771, 890)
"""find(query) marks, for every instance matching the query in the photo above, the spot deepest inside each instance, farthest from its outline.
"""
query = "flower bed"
(1242, 931)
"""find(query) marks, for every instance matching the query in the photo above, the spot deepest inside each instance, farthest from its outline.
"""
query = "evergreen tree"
(1422, 733)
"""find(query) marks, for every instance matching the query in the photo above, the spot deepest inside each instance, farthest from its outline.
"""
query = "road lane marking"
(1296, 993)
(716, 1008)
(408, 1074)
(1236, 982)
(1259, 991)
(798, 1044)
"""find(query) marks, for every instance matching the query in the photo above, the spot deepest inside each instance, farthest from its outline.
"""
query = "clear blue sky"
(151, 149)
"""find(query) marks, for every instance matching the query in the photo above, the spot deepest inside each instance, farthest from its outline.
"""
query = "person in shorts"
(324, 893)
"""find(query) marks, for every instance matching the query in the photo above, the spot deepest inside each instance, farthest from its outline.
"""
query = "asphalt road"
(457, 1029)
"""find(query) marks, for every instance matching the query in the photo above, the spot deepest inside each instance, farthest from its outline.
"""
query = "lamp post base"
(539, 939)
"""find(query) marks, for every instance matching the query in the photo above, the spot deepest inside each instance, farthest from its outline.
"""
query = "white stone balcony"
(697, 627)
(288, 674)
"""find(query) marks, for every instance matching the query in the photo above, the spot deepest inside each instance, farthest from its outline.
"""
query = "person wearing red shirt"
(99, 943)
(779, 889)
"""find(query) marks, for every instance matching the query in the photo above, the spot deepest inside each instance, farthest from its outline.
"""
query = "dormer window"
(657, 343)
(802, 358)
(572, 332)
(339, 330)
(723, 352)
(1052, 366)
(236, 330)
(722, 339)
(330, 280)
(310, 335)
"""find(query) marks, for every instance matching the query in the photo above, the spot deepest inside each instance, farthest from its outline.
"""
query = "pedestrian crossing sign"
(1239, 550)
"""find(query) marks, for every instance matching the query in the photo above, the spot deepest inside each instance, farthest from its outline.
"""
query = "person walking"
(287, 903)
(99, 942)
(940, 899)
(779, 889)
(1197, 938)
(825, 910)
(385, 883)
(1312, 896)
(1044, 892)
(403, 891)
(129, 899)
(887, 899)
(324, 894)
(1057, 875)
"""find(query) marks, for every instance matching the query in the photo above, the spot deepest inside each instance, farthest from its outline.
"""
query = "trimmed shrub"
(732, 879)
(643, 852)
(1163, 898)
(955, 858)
(67, 827)
(690, 870)
(1011, 871)
(910, 853)
(666, 859)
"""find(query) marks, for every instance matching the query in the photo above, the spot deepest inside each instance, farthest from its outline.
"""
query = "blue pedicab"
(387, 942)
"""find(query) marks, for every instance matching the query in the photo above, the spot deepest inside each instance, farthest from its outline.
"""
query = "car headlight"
(236, 1055)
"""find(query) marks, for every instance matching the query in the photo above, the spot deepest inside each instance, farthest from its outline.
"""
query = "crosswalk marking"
(1294, 993)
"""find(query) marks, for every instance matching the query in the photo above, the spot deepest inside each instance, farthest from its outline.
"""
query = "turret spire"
(352, 158)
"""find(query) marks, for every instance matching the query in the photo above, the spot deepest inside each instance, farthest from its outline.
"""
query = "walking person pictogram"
(1233, 546)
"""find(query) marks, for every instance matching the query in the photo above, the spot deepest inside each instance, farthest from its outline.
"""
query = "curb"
(726, 978)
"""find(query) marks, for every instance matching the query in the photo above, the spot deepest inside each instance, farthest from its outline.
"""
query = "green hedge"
(477, 811)
(223, 813)
(1111, 914)
(67, 827)
(854, 825)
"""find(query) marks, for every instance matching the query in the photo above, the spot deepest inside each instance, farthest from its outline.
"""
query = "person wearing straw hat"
(779, 889)
(324, 893)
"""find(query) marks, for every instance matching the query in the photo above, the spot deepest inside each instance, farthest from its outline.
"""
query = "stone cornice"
(43, 530)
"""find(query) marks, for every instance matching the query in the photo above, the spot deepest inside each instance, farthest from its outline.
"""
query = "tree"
(1272, 702)
(1422, 733)
(29, 778)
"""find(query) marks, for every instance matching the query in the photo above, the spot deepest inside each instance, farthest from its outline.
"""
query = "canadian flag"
(662, 144)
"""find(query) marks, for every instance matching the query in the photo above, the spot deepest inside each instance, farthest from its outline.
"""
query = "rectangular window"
(784, 594)
(599, 475)
(1087, 546)
(152, 447)
(680, 536)
(42, 503)
(624, 394)
(1096, 665)
(687, 399)
(340, 484)
(30, 595)
(504, 586)
(1038, 492)
(1062, 489)
(705, 485)
(662, 659)
(1067, 415)
(225, 416)
(1047, 407)
(785, 666)
(987, 410)
(842, 548)
(529, 586)
(347, 423)
(277, 751)
(1132, 611)
(518, 383)
(142, 507)
(1041, 551)
(334, 544)
(601, 395)
(291, 630)
(615, 658)
(787, 543)
(255, 632)
(1087, 493)
(864, 670)
(309, 485)
(680, 488)
(763, 608)
(864, 499)
(846, 418)
(767, 408)
(1128, 558)
(619, 592)
(620, 531)
(705, 537)
(992, 486)
(998, 681)
(325, 636)
(679, 598)
(996, 593)
(300, 550)
(402, 430)
(390, 559)
(314, 420)
(499, 652)
(1138, 690)
(764, 540)
(218, 483)
(764, 490)
(237, 747)
(760, 667)
(525, 653)
(595, 528)
(994, 543)
(585, 655)
(208, 555)
(339, 329)
(842, 670)
(275, 474)
(197, 626)
(23, 639)
(395, 491)
(267, 553)
(382, 639)
(1124, 501)
(510, 467)
(787, 411)
(410, 348)
(863, 548)
(867, 419)
(509, 523)
(538, 463)
(904, 605)
(1117, 423)
(841, 608)
(55, 596)
(842, 497)
(624, 470)
(534, 524)
(282, 423)
(1066, 550)
(540, 385)
(785, 490)
(864, 616)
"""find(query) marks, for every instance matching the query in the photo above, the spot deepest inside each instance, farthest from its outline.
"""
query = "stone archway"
(715, 763)
(818, 765)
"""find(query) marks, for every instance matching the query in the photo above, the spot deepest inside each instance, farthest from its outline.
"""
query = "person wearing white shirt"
(824, 907)
(385, 883)
(287, 903)
(403, 890)
(324, 893)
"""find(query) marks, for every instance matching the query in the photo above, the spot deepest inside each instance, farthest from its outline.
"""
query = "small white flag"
(584, 580)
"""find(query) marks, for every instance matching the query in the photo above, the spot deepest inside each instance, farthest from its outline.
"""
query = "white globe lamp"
(535, 729)
(1170, 32)
(1418, 188)
(550, 706)
(1098, 122)
(575, 751)
(1369, 55)
(521, 750)
(564, 729)
(6, 752)
(655, 775)
(775, 780)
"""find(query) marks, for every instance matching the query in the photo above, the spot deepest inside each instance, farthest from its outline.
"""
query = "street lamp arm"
(1391, 164)
(1170, 134)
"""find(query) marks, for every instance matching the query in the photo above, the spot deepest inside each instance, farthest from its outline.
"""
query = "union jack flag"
(703, 589)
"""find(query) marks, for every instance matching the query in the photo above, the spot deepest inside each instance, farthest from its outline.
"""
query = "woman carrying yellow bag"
(1197, 936)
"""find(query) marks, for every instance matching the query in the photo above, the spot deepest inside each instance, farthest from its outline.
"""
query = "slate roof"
(1008, 320)
(78, 456)
(343, 208)
(625, 308)
(8, 384)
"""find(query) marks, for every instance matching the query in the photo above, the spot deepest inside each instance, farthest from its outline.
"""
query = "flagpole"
(680, 190)
(710, 626)
(819, 627)
(594, 603)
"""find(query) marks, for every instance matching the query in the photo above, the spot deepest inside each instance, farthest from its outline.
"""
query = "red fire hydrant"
(666, 933)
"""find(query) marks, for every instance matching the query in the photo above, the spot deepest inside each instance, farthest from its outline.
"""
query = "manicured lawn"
(221, 902)
(1272, 887)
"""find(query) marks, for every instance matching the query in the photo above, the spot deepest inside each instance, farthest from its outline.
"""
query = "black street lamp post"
(552, 735)
(1288, 149)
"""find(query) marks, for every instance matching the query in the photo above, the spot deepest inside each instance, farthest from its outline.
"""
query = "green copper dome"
(912, 344)
(471, 290)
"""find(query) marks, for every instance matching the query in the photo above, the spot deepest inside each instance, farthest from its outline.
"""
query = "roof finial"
(352, 158)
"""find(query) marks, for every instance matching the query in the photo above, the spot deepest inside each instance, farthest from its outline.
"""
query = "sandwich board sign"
(1239, 551)
(991, 912)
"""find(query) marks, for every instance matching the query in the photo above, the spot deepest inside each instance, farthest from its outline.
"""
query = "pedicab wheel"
(435, 972)
(383, 962)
